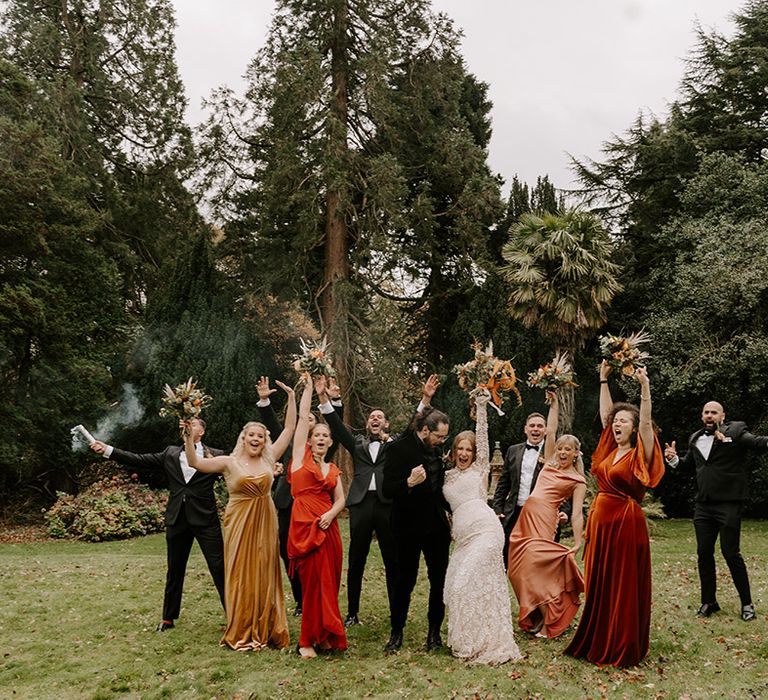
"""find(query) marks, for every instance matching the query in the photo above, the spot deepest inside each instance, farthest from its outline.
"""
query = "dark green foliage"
(111, 509)
(61, 311)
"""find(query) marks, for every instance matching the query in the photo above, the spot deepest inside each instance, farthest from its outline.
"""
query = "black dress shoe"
(394, 643)
(433, 640)
(708, 609)
(164, 626)
(351, 620)
(297, 611)
(748, 612)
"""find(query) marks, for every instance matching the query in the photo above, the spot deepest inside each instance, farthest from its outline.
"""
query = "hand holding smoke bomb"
(81, 431)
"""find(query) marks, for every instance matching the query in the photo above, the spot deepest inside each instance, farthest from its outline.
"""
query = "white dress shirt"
(528, 466)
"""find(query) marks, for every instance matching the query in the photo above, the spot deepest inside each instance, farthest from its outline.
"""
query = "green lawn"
(77, 621)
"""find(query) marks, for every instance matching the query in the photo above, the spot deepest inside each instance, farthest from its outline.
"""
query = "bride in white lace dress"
(476, 592)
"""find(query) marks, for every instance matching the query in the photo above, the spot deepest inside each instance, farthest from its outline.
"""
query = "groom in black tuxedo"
(190, 515)
(718, 452)
(413, 479)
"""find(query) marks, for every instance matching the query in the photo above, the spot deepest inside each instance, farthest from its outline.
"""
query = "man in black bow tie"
(718, 452)
(369, 510)
(522, 465)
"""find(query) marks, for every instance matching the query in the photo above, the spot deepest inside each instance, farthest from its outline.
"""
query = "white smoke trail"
(128, 412)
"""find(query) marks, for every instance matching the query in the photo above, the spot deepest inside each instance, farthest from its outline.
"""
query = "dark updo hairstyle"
(430, 417)
(630, 408)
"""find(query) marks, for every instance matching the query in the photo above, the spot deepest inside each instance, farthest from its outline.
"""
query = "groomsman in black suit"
(413, 479)
(369, 510)
(190, 515)
(718, 452)
(522, 465)
(281, 489)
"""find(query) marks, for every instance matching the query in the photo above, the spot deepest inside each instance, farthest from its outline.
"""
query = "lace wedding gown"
(476, 592)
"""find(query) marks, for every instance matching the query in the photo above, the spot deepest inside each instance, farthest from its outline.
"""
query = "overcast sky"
(564, 75)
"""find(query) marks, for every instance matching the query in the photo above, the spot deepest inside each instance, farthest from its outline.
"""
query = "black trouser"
(283, 526)
(178, 538)
(366, 517)
(509, 524)
(710, 520)
(434, 544)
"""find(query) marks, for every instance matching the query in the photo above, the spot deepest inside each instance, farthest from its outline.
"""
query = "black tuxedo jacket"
(195, 497)
(508, 486)
(723, 477)
(364, 466)
(421, 509)
(281, 489)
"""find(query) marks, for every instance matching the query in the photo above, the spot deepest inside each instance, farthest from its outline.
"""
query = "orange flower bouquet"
(184, 401)
(314, 359)
(623, 353)
(554, 375)
(487, 373)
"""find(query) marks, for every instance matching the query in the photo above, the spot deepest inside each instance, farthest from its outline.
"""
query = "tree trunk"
(333, 300)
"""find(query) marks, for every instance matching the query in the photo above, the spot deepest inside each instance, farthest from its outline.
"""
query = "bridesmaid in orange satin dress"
(615, 625)
(314, 541)
(544, 574)
(253, 583)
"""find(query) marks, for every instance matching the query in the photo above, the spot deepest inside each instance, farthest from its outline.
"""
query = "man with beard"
(718, 452)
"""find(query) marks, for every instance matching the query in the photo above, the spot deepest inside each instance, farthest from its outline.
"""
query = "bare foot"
(307, 652)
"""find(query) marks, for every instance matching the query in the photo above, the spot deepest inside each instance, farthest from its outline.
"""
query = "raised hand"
(263, 390)
(670, 452)
(482, 397)
(334, 390)
(641, 374)
(605, 369)
(430, 387)
(321, 387)
(287, 389)
(185, 427)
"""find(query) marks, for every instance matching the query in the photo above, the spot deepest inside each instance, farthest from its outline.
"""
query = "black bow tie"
(708, 432)
(374, 439)
(531, 447)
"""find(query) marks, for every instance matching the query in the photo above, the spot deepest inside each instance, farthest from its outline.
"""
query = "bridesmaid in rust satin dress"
(615, 625)
(314, 541)
(253, 584)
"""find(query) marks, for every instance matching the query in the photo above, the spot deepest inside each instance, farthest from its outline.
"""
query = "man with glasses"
(413, 479)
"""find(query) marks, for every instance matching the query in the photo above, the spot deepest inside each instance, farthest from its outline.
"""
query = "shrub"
(112, 508)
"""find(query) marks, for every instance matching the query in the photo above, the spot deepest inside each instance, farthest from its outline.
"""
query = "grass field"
(77, 621)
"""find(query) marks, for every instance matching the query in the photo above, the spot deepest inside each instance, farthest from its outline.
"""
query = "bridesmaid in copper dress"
(314, 541)
(253, 583)
(544, 573)
(615, 625)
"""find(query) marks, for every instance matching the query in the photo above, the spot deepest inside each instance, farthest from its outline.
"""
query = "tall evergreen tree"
(357, 167)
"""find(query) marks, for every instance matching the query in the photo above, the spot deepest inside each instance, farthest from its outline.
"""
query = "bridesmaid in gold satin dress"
(253, 584)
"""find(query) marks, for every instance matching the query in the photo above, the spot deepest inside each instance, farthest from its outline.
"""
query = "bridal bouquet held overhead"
(623, 353)
(487, 373)
(184, 401)
(314, 359)
(556, 374)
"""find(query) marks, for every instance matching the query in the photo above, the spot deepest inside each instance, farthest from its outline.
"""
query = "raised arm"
(215, 465)
(339, 431)
(267, 413)
(482, 458)
(428, 390)
(281, 444)
(552, 419)
(645, 429)
(302, 426)
(606, 402)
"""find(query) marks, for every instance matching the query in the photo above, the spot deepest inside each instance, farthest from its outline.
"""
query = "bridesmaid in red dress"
(314, 542)
(615, 624)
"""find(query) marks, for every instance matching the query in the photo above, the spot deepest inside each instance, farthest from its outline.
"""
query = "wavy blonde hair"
(267, 452)
(578, 462)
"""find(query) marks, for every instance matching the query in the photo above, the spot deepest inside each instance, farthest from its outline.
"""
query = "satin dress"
(253, 583)
(543, 573)
(316, 554)
(615, 625)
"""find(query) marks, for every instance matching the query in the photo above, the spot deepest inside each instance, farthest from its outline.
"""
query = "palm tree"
(561, 280)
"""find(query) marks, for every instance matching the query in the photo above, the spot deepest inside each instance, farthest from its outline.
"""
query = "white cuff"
(420, 407)
(336, 402)
(108, 452)
(674, 461)
(263, 403)
(326, 408)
